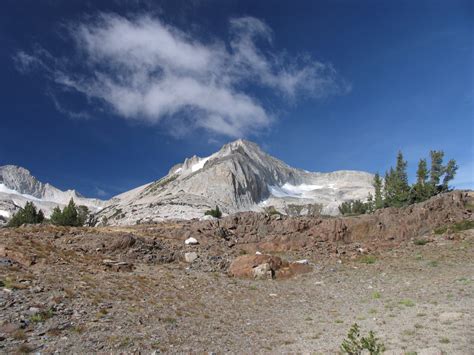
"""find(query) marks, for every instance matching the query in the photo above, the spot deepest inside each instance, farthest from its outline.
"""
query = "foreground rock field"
(407, 274)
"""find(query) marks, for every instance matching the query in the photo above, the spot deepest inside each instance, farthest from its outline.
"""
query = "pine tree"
(26, 215)
(437, 169)
(449, 173)
(69, 213)
(57, 217)
(421, 189)
(401, 187)
(378, 200)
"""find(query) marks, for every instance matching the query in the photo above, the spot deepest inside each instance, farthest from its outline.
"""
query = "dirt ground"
(417, 297)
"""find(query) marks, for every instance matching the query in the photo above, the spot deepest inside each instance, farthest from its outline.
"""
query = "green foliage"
(26, 215)
(354, 344)
(395, 191)
(455, 227)
(368, 259)
(71, 215)
(378, 200)
(214, 213)
(355, 207)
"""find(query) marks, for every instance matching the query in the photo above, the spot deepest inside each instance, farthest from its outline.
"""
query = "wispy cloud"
(144, 69)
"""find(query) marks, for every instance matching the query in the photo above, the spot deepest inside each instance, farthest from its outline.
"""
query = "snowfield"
(297, 191)
(7, 190)
(5, 214)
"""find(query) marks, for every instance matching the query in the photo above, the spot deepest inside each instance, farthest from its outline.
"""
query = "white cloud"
(144, 69)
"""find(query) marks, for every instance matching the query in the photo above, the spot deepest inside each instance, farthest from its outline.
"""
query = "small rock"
(191, 241)
(258, 253)
(303, 262)
(33, 310)
(37, 289)
(190, 257)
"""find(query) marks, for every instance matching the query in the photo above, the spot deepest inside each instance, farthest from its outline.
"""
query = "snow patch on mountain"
(7, 190)
(200, 164)
(296, 191)
(5, 214)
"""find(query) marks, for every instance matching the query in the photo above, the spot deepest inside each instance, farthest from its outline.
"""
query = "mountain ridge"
(238, 177)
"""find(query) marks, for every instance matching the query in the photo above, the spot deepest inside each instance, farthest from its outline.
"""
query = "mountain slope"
(239, 177)
(18, 186)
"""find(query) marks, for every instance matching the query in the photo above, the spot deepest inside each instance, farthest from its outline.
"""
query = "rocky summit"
(18, 186)
(239, 177)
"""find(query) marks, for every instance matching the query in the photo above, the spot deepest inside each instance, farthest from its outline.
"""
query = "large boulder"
(262, 266)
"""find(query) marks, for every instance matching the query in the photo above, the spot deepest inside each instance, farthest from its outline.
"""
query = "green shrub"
(214, 213)
(26, 215)
(354, 344)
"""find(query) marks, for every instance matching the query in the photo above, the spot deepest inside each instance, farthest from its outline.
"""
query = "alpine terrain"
(239, 177)
(18, 186)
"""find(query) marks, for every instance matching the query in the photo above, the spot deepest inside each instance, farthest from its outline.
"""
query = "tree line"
(70, 215)
(395, 191)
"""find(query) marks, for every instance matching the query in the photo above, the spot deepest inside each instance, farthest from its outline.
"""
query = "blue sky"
(103, 96)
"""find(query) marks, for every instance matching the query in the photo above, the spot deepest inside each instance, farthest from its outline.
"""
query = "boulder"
(251, 265)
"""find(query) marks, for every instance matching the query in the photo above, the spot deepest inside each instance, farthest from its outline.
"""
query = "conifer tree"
(57, 216)
(378, 199)
(436, 168)
(449, 173)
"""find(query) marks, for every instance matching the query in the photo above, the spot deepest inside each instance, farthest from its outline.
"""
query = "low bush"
(214, 213)
(354, 344)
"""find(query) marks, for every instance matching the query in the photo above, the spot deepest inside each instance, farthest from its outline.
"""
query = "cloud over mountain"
(144, 69)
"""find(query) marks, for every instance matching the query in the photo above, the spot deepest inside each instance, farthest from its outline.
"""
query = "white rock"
(191, 241)
(207, 218)
(262, 271)
(258, 253)
(190, 257)
(303, 261)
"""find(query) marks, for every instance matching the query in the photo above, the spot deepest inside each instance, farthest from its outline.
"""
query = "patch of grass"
(19, 334)
(420, 241)
(421, 314)
(169, 320)
(418, 257)
(418, 326)
(407, 303)
(42, 316)
(338, 321)
(253, 288)
(408, 332)
(79, 329)
(433, 263)
(444, 340)
(372, 311)
(462, 226)
(368, 259)
(463, 280)
(455, 227)
(376, 295)
(440, 230)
